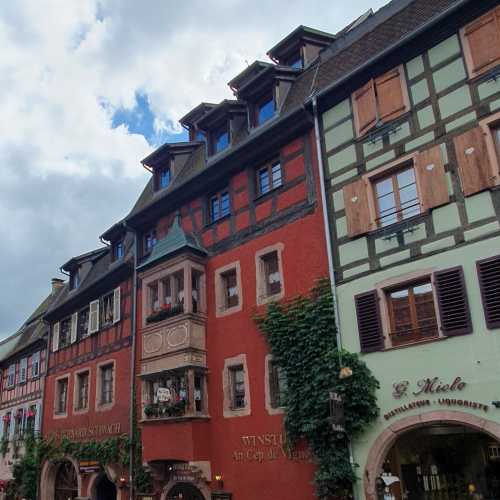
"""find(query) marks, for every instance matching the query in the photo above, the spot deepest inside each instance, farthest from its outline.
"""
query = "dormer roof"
(221, 111)
(163, 153)
(190, 119)
(175, 241)
(299, 36)
(77, 261)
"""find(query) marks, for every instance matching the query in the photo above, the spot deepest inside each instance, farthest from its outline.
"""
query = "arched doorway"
(105, 489)
(184, 491)
(435, 456)
(66, 482)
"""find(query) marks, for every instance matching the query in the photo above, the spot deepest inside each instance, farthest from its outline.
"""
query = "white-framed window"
(11, 375)
(35, 364)
(269, 278)
(23, 370)
(228, 291)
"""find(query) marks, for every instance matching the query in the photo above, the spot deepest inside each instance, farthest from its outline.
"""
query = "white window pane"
(406, 177)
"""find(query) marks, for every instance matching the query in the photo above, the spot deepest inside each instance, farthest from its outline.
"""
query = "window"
(412, 314)
(106, 373)
(83, 324)
(481, 41)
(199, 135)
(35, 365)
(164, 177)
(272, 273)
(149, 241)
(154, 299)
(237, 381)
(396, 197)
(264, 110)
(269, 177)
(30, 419)
(196, 277)
(219, 206)
(11, 375)
(278, 385)
(65, 333)
(74, 279)
(198, 392)
(297, 63)
(269, 273)
(379, 101)
(6, 424)
(107, 303)
(82, 390)
(23, 370)
(19, 423)
(118, 250)
(61, 395)
(230, 287)
(220, 139)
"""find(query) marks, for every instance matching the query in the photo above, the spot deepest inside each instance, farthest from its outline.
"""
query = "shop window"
(264, 110)
(269, 178)
(35, 364)
(489, 279)
(237, 381)
(403, 313)
(481, 41)
(106, 374)
(23, 370)
(220, 139)
(83, 323)
(396, 197)
(379, 101)
(82, 390)
(412, 313)
(11, 375)
(395, 192)
(149, 241)
(220, 206)
(65, 333)
(230, 286)
(61, 396)
(277, 385)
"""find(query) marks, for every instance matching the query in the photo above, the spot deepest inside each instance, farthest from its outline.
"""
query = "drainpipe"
(329, 239)
(132, 366)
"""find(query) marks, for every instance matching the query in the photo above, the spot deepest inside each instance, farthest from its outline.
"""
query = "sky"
(90, 87)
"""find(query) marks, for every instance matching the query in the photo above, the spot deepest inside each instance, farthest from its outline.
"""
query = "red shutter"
(365, 108)
(369, 324)
(431, 179)
(483, 38)
(474, 166)
(390, 97)
(356, 208)
(488, 271)
(452, 301)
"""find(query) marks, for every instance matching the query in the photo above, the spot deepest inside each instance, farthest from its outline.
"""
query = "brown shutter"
(483, 38)
(488, 271)
(365, 108)
(390, 98)
(473, 161)
(431, 179)
(356, 208)
(452, 301)
(369, 324)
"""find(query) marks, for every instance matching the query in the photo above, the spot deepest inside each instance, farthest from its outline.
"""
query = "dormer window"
(220, 139)
(149, 240)
(164, 177)
(74, 279)
(199, 135)
(296, 63)
(118, 250)
(264, 110)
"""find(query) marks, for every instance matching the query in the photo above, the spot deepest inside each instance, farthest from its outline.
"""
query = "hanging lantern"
(337, 419)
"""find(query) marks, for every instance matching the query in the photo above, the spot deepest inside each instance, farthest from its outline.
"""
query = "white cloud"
(66, 174)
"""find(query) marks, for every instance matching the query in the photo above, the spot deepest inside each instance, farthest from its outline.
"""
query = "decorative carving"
(152, 343)
(177, 336)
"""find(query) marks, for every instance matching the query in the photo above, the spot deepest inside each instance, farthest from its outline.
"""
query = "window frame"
(74, 279)
(149, 235)
(228, 410)
(221, 308)
(23, 361)
(100, 404)
(102, 322)
(58, 411)
(238, 396)
(77, 407)
(268, 169)
(118, 250)
(262, 292)
(36, 360)
(218, 198)
(80, 324)
(67, 338)
(218, 132)
(259, 103)
(11, 372)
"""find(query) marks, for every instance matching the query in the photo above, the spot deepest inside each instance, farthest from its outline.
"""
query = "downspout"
(329, 238)
(132, 369)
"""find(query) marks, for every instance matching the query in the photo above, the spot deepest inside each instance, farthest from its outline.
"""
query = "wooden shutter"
(483, 39)
(116, 305)
(356, 208)
(390, 98)
(55, 337)
(94, 316)
(431, 179)
(488, 271)
(452, 302)
(74, 327)
(365, 108)
(474, 166)
(369, 323)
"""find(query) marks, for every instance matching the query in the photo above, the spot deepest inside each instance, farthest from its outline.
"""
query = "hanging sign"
(337, 412)
(163, 394)
(88, 466)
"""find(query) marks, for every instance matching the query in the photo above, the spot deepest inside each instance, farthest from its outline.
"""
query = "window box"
(165, 410)
(166, 311)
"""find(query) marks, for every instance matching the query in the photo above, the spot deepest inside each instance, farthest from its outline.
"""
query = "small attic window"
(220, 139)
(164, 177)
(296, 61)
(118, 250)
(264, 109)
(199, 135)
(74, 279)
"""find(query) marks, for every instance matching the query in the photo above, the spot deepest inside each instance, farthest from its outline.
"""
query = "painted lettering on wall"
(267, 447)
(93, 431)
(427, 386)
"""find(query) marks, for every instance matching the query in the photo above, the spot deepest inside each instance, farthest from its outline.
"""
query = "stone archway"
(49, 477)
(199, 488)
(389, 436)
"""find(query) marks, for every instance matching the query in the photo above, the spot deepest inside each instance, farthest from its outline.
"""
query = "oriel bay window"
(400, 312)
(174, 393)
(395, 192)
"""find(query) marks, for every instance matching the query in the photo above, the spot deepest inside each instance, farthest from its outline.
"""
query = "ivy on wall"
(301, 334)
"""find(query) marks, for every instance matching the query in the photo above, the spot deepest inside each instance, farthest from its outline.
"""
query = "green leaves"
(302, 337)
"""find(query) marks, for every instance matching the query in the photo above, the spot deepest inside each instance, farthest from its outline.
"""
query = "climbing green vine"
(301, 335)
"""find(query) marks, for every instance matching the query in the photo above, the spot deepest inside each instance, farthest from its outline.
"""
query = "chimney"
(57, 283)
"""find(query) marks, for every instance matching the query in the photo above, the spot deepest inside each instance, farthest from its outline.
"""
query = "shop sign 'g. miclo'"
(427, 386)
